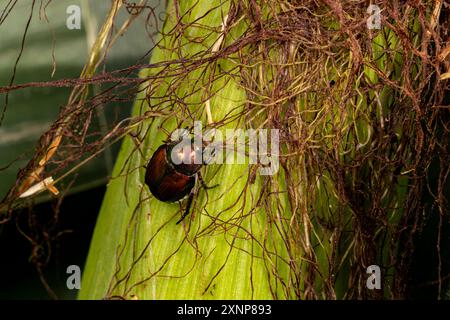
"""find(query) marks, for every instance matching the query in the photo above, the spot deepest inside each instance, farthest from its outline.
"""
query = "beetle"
(172, 172)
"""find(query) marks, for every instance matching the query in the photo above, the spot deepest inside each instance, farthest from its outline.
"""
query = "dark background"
(20, 279)
(31, 112)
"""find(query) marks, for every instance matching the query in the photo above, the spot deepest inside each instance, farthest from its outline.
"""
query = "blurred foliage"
(31, 111)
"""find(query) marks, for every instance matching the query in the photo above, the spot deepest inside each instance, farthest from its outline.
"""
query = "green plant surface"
(137, 250)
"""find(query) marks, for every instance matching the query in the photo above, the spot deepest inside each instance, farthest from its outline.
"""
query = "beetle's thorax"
(185, 157)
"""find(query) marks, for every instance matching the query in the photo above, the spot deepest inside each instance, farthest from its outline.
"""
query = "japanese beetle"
(173, 171)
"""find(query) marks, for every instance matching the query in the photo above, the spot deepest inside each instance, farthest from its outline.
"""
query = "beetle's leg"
(202, 182)
(188, 205)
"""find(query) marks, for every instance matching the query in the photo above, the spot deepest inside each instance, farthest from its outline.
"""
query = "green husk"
(192, 261)
(342, 200)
